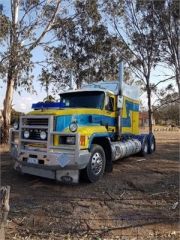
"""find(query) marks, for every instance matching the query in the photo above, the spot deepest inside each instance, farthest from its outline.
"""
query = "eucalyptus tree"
(135, 26)
(86, 51)
(167, 107)
(167, 15)
(28, 23)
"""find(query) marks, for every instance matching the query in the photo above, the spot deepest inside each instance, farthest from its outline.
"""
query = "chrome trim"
(48, 152)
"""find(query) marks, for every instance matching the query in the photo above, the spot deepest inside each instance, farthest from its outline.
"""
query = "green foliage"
(167, 110)
(29, 23)
(20, 39)
(45, 80)
(168, 19)
(15, 115)
(4, 26)
(141, 39)
(86, 50)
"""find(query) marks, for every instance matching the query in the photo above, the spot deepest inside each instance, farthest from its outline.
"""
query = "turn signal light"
(82, 140)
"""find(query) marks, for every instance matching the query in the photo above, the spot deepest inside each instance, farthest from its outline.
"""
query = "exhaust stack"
(120, 76)
(121, 79)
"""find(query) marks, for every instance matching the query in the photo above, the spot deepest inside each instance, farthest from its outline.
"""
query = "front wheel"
(96, 166)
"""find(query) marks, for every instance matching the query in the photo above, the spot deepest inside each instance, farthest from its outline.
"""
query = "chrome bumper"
(61, 162)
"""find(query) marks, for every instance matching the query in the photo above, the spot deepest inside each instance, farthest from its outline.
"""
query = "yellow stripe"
(72, 111)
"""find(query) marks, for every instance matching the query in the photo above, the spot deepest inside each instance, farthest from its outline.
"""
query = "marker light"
(26, 134)
(16, 125)
(82, 140)
(43, 135)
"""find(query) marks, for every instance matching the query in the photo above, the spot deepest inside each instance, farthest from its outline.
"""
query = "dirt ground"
(138, 200)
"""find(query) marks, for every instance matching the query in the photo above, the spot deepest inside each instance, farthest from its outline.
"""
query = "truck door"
(135, 122)
(110, 112)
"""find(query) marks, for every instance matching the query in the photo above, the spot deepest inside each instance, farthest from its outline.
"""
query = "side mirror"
(119, 102)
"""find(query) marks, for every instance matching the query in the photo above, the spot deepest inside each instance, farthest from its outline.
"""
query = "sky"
(22, 102)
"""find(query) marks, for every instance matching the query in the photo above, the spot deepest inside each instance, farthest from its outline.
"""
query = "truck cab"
(81, 134)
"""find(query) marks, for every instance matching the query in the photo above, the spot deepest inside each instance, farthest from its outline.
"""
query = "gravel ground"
(138, 200)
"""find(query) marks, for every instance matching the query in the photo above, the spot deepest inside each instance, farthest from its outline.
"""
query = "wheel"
(151, 143)
(96, 166)
(144, 147)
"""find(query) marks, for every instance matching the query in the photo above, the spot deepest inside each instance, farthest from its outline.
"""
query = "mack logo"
(67, 179)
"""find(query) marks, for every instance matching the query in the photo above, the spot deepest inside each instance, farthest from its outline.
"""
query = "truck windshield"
(92, 99)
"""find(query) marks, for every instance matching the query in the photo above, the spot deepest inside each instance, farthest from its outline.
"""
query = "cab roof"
(111, 87)
(87, 90)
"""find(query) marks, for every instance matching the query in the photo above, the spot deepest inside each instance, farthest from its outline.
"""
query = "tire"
(145, 147)
(96, 166)
(151, 143)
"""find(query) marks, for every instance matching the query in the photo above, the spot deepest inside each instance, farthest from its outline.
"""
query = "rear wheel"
(151, 144)
(144, 147)
(96, 166)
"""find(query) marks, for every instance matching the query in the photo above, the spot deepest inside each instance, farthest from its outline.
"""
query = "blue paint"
(85, 119)
(97, 135)
(63, 122)
(47, 105)
(130, 106)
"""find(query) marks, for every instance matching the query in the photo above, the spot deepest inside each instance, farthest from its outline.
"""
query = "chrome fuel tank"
(125, 148)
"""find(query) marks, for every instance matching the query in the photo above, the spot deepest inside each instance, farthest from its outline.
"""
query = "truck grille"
(34, 125)
(36, 121)
(35, 134)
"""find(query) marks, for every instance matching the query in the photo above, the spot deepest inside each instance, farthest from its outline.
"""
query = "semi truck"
(81, 134)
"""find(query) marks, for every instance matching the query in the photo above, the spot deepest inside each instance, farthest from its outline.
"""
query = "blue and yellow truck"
(81, 134)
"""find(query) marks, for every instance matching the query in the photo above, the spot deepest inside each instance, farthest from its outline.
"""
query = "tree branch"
(30, 9)
(47, 28)
(167, 79)
(168, 102)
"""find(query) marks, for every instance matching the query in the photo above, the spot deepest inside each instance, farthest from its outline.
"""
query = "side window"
(110, 104)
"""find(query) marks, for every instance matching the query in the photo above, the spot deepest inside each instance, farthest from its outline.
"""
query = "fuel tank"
(125, 148)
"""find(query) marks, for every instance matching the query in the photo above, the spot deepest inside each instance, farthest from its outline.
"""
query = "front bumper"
(68, 172)
(61, 162)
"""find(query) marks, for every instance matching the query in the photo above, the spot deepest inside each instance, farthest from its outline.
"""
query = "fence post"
(4, 206)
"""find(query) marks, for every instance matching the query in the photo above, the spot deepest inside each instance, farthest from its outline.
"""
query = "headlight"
(26, 134)
(70, 140)
(16, 125)
(73, 127)
(43, 135)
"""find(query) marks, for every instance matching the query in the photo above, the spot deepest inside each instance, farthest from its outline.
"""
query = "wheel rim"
(145, 148)
(96, 163)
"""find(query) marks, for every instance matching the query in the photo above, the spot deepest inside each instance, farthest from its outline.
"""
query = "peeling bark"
(7, 108)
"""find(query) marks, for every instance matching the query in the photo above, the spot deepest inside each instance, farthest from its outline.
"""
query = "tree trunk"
(7, 107)
(12, 72)
(149, 108)
(178, 80)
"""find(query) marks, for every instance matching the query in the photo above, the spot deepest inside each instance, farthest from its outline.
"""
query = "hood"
(83, 117)
(66, 111)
